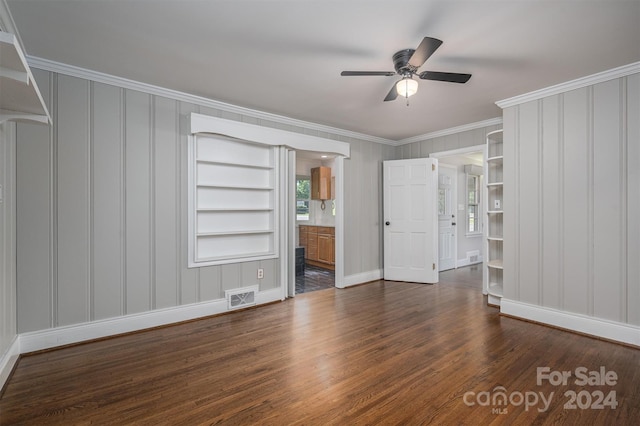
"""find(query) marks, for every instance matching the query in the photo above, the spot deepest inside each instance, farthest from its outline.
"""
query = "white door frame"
(454, 208)
(290, 217)
(338, 173)
(460, 151)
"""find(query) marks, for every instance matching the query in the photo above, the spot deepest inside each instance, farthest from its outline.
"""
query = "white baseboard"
(610, 330)
(8, 360)
(465, 262)
(363, 277)
(51, 338)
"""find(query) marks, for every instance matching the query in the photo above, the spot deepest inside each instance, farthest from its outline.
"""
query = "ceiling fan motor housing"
(401, 62)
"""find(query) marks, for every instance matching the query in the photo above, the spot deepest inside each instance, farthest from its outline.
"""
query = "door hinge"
(434, 267)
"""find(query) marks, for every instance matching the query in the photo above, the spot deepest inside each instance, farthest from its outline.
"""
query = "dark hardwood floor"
(314, 278)
(380, 353)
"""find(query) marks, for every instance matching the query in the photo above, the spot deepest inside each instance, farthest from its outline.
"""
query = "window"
(473, 203)
(303, 197)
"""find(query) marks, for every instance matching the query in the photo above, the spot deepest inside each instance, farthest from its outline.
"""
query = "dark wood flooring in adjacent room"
(380, 353)
(314, 278)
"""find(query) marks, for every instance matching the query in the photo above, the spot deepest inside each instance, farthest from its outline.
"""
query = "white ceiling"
(285, 57)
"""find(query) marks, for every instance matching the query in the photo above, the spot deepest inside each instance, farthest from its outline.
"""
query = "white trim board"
(578, 83)
(611, 330)
(73, 71)
(8, 360)
(60, 336)
(363, 277)
(77, 333)
(451, 131)
(201, 123)
(458, 151)
(461, 263)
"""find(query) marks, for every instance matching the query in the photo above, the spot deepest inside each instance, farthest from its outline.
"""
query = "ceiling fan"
(406, 62)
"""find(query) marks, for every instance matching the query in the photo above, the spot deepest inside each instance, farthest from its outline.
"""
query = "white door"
(410, 220)
(447, 177)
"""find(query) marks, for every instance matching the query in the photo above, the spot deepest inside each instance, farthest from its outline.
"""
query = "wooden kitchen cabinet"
(321, 183)
(319, 244)
(312, 243)
(325, 249)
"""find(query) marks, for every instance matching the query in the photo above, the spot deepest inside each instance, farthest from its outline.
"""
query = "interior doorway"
(315, 221)
(447, 221)
(467, 209)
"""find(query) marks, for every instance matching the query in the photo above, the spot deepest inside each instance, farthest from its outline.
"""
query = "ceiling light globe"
(407, 87)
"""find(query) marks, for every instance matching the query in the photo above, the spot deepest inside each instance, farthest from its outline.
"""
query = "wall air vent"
(241, 297)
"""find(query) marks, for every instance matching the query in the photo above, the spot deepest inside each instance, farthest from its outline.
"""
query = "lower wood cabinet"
(319, 244)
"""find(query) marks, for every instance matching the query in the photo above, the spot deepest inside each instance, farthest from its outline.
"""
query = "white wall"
(572, 202)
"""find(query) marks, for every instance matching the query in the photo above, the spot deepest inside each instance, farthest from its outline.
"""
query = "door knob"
(387, 223)
(453, 224)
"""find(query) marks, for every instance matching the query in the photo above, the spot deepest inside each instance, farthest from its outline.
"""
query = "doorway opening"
(461, 207)
(315, 221)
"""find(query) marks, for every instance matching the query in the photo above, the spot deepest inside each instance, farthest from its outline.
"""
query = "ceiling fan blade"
(357, 73)
(424, 51)
(392, 95)
(451, 77)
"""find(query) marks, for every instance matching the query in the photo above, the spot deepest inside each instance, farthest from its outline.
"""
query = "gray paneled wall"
(572, 200)
(465, 139)
(363, 206)
(102, 207)
(8, 328)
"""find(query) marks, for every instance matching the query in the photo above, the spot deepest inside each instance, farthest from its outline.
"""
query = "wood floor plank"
(381, 353)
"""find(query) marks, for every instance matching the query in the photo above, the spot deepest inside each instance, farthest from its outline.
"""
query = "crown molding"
(578, 83)
(452, 130)
(73, 71)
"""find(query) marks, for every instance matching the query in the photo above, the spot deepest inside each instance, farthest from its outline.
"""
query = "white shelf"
(229, 186)
(245, 232)
(495, 289)
(493, 196)
(495, 264)
(21, 100)
(234, 209)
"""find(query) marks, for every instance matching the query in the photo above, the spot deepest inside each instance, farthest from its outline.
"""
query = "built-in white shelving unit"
(492, 274)
(20, 99)
(234, 201)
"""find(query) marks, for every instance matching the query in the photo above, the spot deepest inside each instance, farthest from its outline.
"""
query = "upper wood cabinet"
(321, 183)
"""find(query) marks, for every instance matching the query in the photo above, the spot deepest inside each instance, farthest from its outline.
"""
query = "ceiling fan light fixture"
(407, 87)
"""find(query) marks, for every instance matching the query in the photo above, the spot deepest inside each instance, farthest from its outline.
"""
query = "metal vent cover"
(241, 297)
